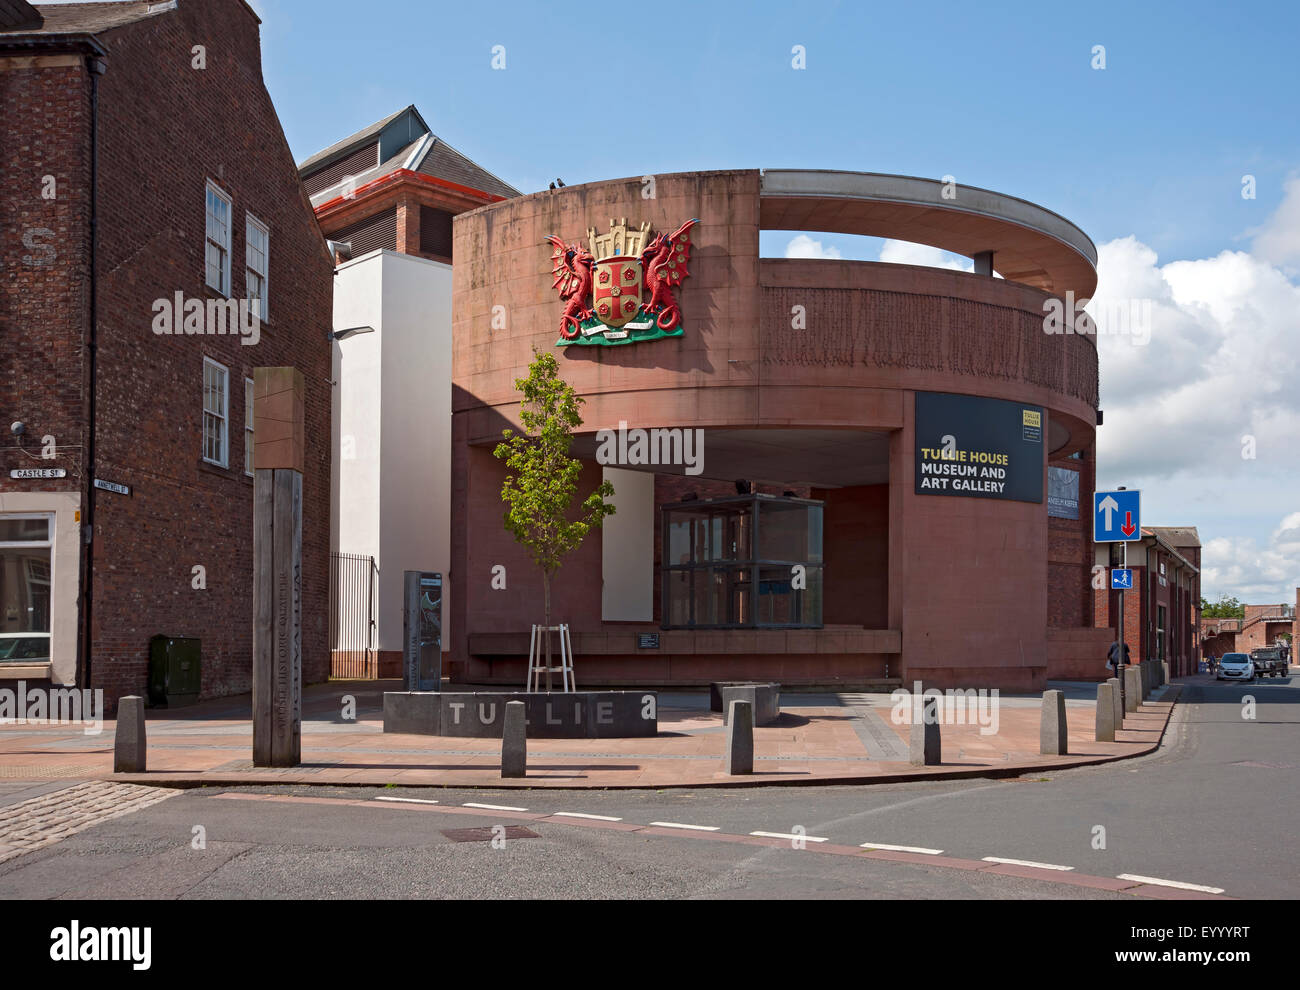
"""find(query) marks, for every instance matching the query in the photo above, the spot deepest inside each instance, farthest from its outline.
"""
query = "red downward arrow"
(1128, 527)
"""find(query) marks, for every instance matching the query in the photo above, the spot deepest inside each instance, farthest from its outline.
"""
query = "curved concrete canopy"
(1030, 245)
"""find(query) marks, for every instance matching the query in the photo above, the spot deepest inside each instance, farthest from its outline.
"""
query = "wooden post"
(279, 430)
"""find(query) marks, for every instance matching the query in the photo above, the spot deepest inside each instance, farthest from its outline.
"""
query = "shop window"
(753, 561)
(26, 558)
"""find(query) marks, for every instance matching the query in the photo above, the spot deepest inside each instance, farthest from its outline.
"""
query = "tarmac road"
(1214, 807)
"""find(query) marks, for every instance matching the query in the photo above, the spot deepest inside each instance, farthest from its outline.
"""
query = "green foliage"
(540, 490)
(1224, 608)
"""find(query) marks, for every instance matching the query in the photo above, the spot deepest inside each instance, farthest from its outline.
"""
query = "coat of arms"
(604, 285)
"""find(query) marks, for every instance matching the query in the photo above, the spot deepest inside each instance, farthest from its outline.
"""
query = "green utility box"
(173, 671)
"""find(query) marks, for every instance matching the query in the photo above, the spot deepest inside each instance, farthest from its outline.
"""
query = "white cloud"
(803, 246)
(1236, 566)
(1205, 415)
(908, 253)
(1278, 240)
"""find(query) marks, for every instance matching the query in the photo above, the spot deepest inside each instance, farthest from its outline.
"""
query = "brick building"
(1162, 615)
(1262, 625)
(147, 187)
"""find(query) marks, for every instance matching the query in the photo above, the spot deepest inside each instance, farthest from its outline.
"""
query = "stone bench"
(764, 697)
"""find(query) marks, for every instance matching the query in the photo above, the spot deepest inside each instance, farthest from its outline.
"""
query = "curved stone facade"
(781, 358)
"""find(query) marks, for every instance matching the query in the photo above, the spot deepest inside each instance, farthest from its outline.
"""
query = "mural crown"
(619, 240)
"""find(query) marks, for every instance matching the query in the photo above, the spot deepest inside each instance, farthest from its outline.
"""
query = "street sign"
(1116, 517)
(1121, 579)
(113, 486)
(38, 473)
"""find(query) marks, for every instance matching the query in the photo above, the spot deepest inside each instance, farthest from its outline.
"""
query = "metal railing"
(354, 584)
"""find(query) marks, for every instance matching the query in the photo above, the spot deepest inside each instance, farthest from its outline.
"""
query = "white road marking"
(407, 800)
(1027, 862)
(790, 835)
(697, 828)
(492, 807)
(1170, 883)
(579, 814)
(901, 849)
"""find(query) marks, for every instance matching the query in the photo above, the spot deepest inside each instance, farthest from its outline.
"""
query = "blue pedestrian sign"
(1116, 517)
(1121, 579)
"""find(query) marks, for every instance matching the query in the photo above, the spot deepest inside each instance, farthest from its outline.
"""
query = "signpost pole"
(1119, 656)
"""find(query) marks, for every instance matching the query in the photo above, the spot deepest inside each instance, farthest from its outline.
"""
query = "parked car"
(1270, 661)
(1235, 667)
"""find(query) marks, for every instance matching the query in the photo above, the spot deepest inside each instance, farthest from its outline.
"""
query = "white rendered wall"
(627, 548)
(355, 495)
(415, 454)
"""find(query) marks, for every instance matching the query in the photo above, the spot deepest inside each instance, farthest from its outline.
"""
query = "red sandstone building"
(144, 165)
(847, 522)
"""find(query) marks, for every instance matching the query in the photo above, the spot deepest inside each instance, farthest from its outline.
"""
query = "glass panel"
(789, 532)
(12, 530)
(25, 590)
(678, 607)
(780, 603)
(713, 544)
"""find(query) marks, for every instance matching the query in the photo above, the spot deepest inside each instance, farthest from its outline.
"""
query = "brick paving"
(51, 817)
(820, 739)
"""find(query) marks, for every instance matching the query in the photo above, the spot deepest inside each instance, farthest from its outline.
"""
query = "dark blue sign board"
(1121, 579)
(979, 448)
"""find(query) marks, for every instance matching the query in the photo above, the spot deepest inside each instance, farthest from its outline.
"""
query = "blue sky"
(1193, 96)
(1146, 155)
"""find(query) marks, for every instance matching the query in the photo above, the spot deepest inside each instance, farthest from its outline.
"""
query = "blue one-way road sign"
(1121, 579)
(1116, 517)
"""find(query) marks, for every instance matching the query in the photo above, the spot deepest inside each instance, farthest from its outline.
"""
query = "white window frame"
(248, 427)
(265, 276)
(224, 416)
(215, 190)
(48, 544)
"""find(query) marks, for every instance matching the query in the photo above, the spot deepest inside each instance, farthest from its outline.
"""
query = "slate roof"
(427, 154)
(81, 18)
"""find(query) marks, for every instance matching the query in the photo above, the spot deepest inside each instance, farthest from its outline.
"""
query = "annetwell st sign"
(113, 486)
(978, 448)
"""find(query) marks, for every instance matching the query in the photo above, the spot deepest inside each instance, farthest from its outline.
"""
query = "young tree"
(540, 490)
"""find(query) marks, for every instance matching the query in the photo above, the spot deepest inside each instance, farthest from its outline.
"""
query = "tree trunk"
(546, 629)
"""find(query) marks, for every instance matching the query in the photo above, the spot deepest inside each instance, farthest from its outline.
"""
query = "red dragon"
(664, 263)
(572, 271)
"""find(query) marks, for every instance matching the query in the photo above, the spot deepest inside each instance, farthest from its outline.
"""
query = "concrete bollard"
(1164, 672)
(739, 757)
(1053, 732)
(129, 743)
(1117, 700)
(1146, 678)
(1132, 688)
(514, 741)
(925, 746)
(1106, 712)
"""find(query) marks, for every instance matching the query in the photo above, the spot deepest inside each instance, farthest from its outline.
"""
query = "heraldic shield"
(616, 290)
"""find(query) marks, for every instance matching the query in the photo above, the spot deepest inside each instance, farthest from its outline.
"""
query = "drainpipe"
(96, 67)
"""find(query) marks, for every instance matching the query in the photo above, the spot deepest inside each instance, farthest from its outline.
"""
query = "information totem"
(422, 625)
(278, 443)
